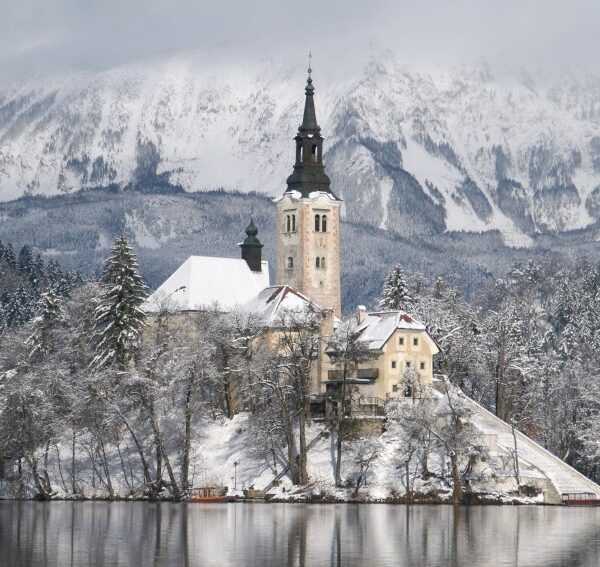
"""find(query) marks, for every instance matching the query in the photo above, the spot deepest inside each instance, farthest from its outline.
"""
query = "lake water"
(65, 534)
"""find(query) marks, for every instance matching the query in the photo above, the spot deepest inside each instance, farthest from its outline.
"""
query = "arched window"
(293, 223)
(318, 262)
(289, 224)
(314, 152)
(324, 223)
(290, 263)
(317, 223)
(323, 262)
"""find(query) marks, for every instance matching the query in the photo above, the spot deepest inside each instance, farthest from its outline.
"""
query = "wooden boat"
(209, 494)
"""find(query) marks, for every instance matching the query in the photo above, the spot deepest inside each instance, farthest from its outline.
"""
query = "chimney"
(361, 314)
(252, 248)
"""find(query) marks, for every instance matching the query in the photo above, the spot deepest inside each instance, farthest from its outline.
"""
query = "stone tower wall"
(322, 285)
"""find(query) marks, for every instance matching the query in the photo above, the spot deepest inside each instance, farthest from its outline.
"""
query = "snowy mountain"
(412, 151)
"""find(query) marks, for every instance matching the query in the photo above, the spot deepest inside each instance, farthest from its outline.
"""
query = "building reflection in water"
(63, 534)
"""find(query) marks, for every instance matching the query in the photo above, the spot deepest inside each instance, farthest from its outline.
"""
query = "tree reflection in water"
(61, 534)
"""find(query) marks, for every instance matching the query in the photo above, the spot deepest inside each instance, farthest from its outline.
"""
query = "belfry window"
(317, 223)
(314, 152)
(288, 225)
(290, 263)
(324, 223)
(293, 223)
(318, 263)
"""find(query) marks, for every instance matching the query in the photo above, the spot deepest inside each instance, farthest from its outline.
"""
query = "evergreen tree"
(119, 317)
(50, 312)
(26, 263)
(395, 294)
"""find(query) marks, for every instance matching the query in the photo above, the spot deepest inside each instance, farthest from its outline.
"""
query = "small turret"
(252, 248)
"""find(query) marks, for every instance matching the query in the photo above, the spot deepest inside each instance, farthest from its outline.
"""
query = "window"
(393, 364)
(408, 364)
(317, 223)
(408, 391)
(301, 152)
(323, 262)
(289, 224)
(422, 366)
(318, 263)
(290, 263)
(293, 223)
(314, 151)
(401, 341)
(394, 387)
(324, 223)
(415, 341)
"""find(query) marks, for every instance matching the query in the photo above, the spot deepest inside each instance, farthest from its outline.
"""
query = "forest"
(115, 398)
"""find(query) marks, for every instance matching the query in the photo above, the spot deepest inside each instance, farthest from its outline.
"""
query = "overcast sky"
(50, 35)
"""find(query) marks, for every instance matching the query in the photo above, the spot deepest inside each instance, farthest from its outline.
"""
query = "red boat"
(209, 494)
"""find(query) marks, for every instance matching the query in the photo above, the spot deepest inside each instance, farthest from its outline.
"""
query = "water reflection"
(66, 534)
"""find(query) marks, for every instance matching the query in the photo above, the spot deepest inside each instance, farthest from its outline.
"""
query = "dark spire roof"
(251, 248)
(309, 173)
(251, 238)
(309, 121)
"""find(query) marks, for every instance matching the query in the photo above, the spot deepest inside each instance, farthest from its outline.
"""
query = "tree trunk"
(123, 468)
(60, 471)
(187, 445)
(106, 469)
(161, 448)
(73, 466)
(140, 450)
(302, 460)
(457, 492)
(516, 456)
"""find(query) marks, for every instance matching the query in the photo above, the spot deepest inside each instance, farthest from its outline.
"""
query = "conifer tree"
(119, 317)
(395, 294)
(50, 312)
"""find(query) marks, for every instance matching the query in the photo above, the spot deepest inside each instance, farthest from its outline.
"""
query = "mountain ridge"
(413, 152)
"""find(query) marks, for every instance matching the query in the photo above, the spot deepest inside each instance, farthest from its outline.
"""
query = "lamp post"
(235, 466)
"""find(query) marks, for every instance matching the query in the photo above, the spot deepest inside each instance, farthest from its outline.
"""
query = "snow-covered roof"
(297, 195)
(379, 326)
(273, 303)
(204, 281)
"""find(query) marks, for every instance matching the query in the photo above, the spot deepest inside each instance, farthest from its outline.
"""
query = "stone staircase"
(563, 477)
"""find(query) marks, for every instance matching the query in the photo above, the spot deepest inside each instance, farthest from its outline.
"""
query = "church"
(308, 276)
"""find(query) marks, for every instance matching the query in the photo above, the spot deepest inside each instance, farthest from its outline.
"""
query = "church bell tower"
(308, 219)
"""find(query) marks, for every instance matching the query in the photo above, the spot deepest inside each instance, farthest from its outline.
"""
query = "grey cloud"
(38, 36)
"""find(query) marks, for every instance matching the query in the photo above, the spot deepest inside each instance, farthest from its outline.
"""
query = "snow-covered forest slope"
(410, 150)
(167, 227)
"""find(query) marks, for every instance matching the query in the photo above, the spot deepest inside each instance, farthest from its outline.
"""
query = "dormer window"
(317, 223)
(401, 341)
(415, 341)
(290, 263)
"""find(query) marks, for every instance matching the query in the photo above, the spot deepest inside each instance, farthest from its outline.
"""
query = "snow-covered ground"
(225, 454)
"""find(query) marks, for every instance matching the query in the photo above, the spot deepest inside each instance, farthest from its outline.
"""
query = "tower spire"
(309, 120)
(309, 174)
